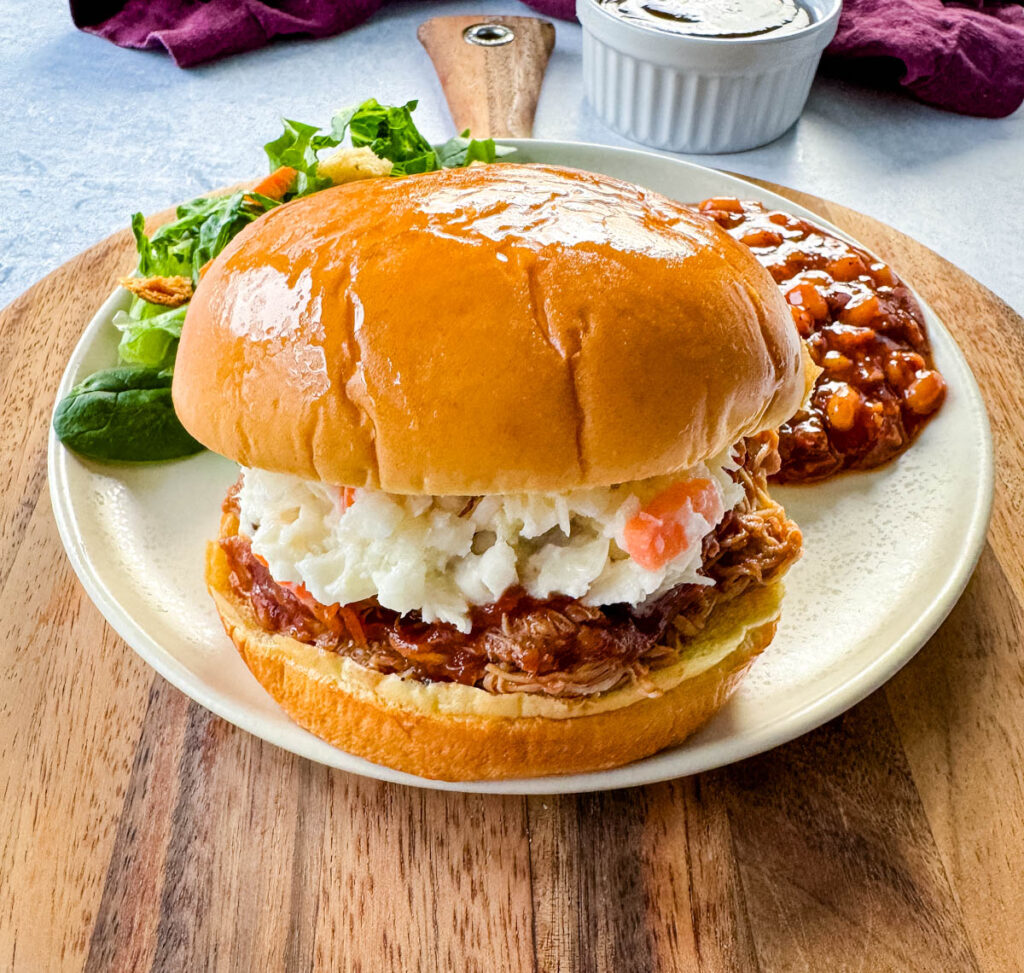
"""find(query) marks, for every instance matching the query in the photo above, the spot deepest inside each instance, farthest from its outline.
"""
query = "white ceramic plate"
(886, 554)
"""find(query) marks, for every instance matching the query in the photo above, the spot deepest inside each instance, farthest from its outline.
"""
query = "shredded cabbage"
(442, 555)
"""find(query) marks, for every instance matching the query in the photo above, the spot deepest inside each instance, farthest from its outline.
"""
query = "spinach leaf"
(123, 414)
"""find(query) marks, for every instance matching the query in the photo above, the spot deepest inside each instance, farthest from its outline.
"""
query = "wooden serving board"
(138, 831)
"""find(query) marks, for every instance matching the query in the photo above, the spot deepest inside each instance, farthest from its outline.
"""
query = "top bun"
(493, 329)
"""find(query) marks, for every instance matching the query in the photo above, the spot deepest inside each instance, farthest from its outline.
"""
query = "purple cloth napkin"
(194, 31)
(967, 57)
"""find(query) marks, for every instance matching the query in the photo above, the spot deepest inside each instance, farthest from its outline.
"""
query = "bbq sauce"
(713, 18)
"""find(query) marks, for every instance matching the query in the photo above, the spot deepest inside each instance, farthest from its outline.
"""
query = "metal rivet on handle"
(488, 35)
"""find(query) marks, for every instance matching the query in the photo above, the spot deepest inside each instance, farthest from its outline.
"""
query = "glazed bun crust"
(450, 732)
(501, 328)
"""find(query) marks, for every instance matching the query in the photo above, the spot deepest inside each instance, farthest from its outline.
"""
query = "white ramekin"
(699, 94)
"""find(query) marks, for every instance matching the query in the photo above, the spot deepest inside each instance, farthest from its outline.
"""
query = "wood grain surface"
(492, 91)
(139, 832)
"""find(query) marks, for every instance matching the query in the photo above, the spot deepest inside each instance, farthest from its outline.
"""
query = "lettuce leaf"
(390, 133)
(163, 256)
(387, 130)
(151, 341)
(461, 150)
(203, 228)
(297, 147)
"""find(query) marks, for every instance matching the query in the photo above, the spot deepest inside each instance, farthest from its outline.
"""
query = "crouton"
(348, 165)
(169, 291)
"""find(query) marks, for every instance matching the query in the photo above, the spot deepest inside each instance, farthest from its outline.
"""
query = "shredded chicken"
(755, 544)
(168, 291)
(559, 646)
(585, 679)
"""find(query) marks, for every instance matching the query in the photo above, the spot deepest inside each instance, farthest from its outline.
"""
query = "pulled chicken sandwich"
(504, 436)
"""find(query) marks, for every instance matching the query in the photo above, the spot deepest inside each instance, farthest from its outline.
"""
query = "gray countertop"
(91, 132)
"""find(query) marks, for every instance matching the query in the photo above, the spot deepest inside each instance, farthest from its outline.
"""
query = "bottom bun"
(448, 731)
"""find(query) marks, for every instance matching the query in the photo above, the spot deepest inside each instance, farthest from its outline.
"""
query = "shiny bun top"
(499, 328)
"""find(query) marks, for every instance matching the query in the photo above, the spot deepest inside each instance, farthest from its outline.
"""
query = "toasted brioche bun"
(447, 731)
(499, 328)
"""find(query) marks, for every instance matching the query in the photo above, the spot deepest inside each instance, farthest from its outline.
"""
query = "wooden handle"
(491, 70)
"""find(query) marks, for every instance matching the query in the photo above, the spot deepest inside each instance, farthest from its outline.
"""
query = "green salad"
(125, 413)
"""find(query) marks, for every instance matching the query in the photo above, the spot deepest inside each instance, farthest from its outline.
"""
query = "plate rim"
(782, 729)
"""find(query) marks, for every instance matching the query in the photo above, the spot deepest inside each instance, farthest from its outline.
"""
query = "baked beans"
(878, 386)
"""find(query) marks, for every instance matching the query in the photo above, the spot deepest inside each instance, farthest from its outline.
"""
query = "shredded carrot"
(277, 183)
(355, 628)
(657, 534)
(346, 497)
(300, 591)
(326, 613)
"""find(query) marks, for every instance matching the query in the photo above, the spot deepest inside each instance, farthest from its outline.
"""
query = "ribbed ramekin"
(699, 94)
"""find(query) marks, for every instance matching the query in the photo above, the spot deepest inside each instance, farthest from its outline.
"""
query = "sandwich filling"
(566, 595)
(442, 556)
